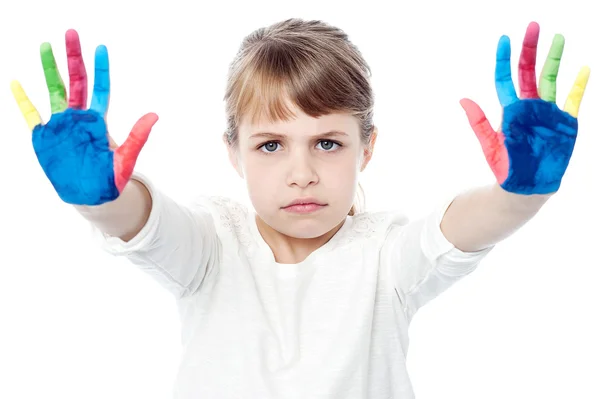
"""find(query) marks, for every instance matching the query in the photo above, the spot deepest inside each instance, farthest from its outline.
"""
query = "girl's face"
(313, 161)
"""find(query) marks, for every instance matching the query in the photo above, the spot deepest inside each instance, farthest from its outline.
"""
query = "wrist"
(520, 202)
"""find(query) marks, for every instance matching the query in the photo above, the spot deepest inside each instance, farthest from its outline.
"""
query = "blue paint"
(101, 93)
(73, 150)
(505, 88)
(540, 139)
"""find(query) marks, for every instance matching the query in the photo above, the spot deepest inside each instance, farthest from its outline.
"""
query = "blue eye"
(328, 145)
(271, 146)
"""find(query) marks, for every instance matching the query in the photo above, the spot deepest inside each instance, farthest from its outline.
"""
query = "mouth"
(304, 205)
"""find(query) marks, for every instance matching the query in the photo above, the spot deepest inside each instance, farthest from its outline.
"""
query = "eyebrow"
(271, 135)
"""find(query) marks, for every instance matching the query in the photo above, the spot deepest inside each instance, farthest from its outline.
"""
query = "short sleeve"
(422, 263)
(177, 246)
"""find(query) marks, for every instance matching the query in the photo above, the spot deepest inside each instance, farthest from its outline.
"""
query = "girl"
(306, 295)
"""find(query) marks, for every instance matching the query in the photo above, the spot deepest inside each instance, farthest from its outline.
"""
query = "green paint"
(547, 86)
(56, 86)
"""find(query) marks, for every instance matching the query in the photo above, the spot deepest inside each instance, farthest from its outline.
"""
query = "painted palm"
(74, 148)
(530, 152)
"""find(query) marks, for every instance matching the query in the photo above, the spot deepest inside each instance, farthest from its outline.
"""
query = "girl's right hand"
(74, 149)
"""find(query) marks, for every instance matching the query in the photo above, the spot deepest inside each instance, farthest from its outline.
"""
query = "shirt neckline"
(266, 251)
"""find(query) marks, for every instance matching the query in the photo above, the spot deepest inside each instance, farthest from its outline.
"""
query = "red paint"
(77, 73)
(492, 142)
(126, 155)
(527, 79)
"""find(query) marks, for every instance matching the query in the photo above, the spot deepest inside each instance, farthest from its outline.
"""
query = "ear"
(233, 156)
(369, 148)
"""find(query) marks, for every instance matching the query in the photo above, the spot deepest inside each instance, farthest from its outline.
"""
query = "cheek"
(265, 176)
(341, 174)
(261, 177)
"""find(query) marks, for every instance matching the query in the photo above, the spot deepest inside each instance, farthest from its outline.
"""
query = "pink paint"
(77, 73)
(527, 79)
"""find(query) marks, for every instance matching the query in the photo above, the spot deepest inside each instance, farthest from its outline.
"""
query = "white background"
(76, 323)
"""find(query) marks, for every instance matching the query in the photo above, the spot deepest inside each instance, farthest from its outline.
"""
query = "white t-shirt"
(332, 326)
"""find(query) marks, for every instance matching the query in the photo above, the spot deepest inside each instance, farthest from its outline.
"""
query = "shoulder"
(372, 226)
(379, 220)
(230, 216)
(227, 210)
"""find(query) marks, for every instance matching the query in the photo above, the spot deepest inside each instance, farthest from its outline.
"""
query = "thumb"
(127, 154)
(480, 124)
(492, 142)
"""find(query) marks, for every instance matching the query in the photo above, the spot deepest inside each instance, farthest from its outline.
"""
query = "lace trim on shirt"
(233, 218)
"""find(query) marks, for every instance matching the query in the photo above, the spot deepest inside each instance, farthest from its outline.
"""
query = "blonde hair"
(311, 64)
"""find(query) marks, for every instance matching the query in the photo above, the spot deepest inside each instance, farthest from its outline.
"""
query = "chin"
(302, 225)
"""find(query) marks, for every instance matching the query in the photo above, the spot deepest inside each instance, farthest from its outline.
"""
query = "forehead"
(302, 125)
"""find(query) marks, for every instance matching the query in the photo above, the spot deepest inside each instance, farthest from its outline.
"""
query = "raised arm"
(125, 216)
(176, 244)
(84, 165)
(528, 154)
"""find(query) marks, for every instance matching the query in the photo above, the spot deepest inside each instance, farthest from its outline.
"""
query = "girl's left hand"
(530, 152)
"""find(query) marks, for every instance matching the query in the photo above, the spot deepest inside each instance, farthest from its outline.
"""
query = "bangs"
(276, 77)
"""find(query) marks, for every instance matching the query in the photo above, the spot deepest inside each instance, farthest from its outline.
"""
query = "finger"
(101, 92)
(527, 77)
(56, 87)
(127, 154)
(484, 131)
(492, 142)
(31, 115)
(576, 94)
(77, 72)
(505, 87)
(547, 84)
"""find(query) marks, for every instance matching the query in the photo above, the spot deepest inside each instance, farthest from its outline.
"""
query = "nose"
(301, 170)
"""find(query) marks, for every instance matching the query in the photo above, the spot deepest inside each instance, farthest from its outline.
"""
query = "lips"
(304, 206)
(305, 202)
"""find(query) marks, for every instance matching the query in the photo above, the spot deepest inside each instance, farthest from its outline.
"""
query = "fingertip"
(15, 85)
(464, 103)
(558, 39)
(585, 71)
(583, 78)
(71, 34)
(101, 49)
(101, 57)
(45, 47)
(152, 117)
(533, 27)
(532, 35)
(503, 49)
(17, 90)
(145, 123)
